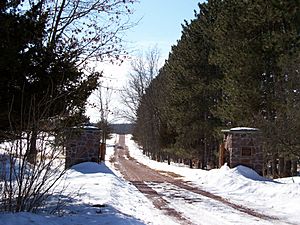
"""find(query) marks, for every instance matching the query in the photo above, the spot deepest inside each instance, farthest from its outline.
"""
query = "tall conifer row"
(236, 64)
(257, 45)
(187, 124)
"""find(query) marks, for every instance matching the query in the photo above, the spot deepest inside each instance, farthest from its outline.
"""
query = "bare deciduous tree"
(26, 186)
(103, 104)
(143, 71)
(94, 27)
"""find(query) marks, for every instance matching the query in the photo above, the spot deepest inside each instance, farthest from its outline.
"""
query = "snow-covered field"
(98, 195)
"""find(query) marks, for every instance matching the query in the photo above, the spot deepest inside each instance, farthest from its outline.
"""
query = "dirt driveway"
(146, 180)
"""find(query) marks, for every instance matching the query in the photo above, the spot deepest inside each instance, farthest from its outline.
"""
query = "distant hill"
(122, 128)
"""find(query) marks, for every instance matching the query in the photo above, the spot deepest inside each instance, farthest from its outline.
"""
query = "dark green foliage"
(184, 96)
(39, 85)
(251, 38)
(195, 93)
(19, 33)
(257, 46)
(236, 64)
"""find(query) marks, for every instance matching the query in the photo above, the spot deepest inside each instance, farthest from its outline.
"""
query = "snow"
(243, 129)
(242, 185)
(97, 194)
(6, 165)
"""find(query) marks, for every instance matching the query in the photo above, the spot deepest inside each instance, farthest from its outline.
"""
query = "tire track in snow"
(159, 202)
(141, 176)
(135, 173)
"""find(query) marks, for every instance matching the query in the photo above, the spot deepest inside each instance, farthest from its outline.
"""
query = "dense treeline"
(236, 64)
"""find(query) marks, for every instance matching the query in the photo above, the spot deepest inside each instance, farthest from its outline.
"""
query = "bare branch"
(144, 69)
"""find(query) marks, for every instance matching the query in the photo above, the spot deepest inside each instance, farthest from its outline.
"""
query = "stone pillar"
(245, 148)
(82, 145)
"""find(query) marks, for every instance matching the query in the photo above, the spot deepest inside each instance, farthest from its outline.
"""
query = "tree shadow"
(252, 175)
(92, 167)
(70, 211)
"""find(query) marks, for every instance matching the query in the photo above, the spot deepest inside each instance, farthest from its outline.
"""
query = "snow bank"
(249, 173)
(94, 195)
(99, 186)
(243, 129)
(98, 196)
(240, 185)
(11, 168)
(76, 219)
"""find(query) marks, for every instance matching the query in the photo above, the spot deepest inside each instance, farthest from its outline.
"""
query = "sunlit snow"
(96, 194)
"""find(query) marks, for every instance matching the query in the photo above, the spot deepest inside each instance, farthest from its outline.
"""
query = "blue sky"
(160, 23)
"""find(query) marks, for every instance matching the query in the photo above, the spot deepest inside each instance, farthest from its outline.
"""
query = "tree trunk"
(288, 168)
(281, 167)
(221, 155)
(274, 166)
(199, 164)
(204, 157)
(101, 157)
(32, 152)
(294, 167)
(191, 163)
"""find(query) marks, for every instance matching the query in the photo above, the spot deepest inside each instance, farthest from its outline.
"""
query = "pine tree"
(257, 45)
(40, 85)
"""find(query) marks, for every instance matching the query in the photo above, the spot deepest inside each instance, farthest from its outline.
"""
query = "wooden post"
(221, 154)
(102, 151)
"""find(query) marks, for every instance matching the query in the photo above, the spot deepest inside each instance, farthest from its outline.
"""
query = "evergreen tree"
(194, 94)
(184, 96)
(257, 44)
(236, 64)
(39, 85)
